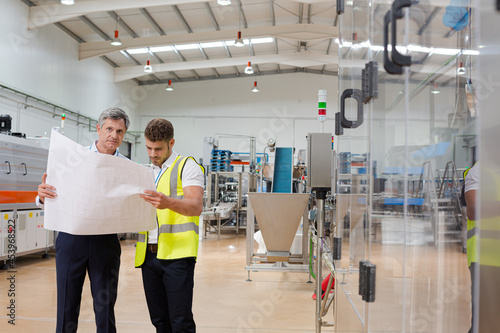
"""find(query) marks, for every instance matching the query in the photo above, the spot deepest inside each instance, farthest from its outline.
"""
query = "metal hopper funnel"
(278, 215)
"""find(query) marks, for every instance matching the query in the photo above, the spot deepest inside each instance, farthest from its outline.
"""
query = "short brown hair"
(159, 129)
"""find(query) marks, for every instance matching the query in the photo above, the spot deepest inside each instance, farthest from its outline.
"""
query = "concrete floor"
(224, 302)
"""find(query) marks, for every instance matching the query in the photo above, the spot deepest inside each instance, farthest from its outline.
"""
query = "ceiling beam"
(290, 59)
(227, 49)
(43, 15)
(28, 3)
(151, 21)
(299, 60)
(232, 76)
(122, 24)
(109, 61)
(178, 53)
(292, 31)
(242, 15)
(69, 32)
(40, 16)
(181, 17)
(212, 16)
(158, 59)
(428, 21)
(94, 27)
(273, 15)
(129, 57)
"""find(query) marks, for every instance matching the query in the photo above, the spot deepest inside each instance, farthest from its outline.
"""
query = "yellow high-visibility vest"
(488, 241)
(178, 235)
(471, 236)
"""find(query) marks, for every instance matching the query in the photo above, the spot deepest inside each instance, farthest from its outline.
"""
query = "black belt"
(153, 248)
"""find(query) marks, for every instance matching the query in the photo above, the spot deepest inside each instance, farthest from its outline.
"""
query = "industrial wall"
(285, 108)
(44, 63)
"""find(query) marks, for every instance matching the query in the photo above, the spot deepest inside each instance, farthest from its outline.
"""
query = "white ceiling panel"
(304, 35)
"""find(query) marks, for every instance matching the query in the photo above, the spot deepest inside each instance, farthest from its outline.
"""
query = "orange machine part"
(7, 197)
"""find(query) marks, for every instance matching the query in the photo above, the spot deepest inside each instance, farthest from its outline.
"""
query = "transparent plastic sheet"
(417, 137)
(485, 79)
(354, 172)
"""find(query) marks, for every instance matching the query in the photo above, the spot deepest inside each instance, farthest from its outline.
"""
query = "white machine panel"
(31, 230)
(4, 232)
(41, 233)
(21, 231)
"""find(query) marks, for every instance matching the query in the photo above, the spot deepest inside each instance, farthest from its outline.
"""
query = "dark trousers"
(99, 255)
(168, 285)
(473, 269)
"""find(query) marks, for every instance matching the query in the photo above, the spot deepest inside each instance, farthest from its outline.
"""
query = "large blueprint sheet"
(96, 193)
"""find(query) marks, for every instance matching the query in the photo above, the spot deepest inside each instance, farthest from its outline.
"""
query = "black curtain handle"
(358, 96)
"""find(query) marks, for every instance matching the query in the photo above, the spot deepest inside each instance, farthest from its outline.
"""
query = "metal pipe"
(328, 300)
(320, 234)
(262, 171)
(253, 157)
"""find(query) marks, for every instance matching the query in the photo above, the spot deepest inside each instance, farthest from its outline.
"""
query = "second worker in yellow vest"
(167, 255)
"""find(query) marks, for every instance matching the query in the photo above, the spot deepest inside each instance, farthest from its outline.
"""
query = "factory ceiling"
(187, 40)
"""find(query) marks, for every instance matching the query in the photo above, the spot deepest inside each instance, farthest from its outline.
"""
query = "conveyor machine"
(22, 164)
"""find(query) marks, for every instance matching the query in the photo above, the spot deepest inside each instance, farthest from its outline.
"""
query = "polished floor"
(224, 302)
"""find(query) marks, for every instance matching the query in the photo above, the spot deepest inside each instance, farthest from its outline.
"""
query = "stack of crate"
(221, 160)
(345, 163)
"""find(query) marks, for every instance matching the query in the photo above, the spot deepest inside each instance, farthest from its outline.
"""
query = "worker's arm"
(45, 190)
(190, 205)
(470, 199)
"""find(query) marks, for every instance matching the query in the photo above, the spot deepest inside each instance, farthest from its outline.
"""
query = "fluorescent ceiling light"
(185, 47)
(444, 51)
(402, 49)
(138, 51)
(207, 45)
(160, 49)
(262, 40)
(418, 48)
(471, 52)
(377, 48)
(211, 44)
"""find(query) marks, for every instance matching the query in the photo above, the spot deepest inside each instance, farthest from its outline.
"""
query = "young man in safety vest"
(471, 180)
(167, 254)
(483, 243)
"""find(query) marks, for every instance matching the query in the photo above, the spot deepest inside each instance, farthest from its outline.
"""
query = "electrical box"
(319, 160)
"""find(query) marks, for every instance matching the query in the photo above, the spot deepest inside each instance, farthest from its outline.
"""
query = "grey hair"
(115, 114)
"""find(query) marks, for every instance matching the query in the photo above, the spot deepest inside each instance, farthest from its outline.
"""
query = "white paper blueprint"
(96, 193)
